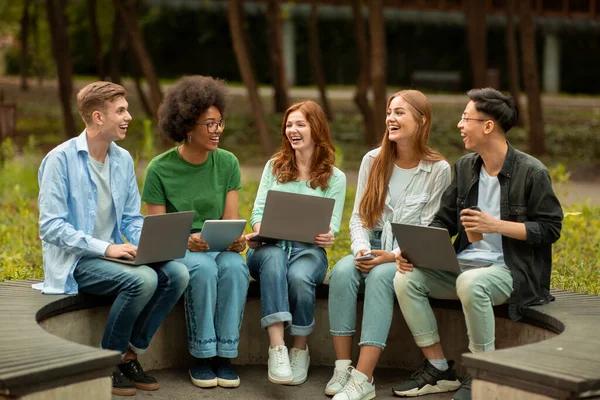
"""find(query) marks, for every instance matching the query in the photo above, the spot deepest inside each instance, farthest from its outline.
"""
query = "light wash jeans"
(288, 283)
(345, 283)
(478, 290)
(214, 302)
(144, 297)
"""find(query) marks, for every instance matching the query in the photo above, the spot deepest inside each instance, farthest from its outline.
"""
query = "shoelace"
(280, 356)
(294, 356)
(339, 376)
(352, 387)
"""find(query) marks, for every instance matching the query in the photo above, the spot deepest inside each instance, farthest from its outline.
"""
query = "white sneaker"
(340, 377)
(279, 366)
(299, 361)
(357, 388)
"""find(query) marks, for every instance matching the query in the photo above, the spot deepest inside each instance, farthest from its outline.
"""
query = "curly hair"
(186, 101)
(323, 159)
(373, 201)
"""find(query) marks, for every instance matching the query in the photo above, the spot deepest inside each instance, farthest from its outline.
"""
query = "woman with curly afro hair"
(289, 272)
(198, 176)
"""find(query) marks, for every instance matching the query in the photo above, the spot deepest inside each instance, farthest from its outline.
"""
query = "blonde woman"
(402, 181)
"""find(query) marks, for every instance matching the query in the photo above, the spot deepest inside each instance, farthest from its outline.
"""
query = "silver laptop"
(431, 247)
(294, 217)
(220, 233)
(164, 237)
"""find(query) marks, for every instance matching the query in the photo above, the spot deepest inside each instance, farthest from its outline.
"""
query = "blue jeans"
(144, 297)
(478, 290)
(288, 283)
(345, 283)
(214, 302)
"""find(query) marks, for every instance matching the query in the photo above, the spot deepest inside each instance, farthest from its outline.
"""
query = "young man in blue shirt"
(89, 200)
(505, 214)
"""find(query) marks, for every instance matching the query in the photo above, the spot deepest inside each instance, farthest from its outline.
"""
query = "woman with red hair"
(402, 182)
(289, 272)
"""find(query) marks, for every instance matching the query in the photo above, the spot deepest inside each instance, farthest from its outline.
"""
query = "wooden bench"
(552, 353)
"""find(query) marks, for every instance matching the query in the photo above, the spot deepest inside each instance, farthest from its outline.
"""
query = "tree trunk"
(24, 64)
(130, 19)
(142, 96)
(275, 38)
(532, 80)
(378, 62)
(38, 64)
(116, 44)
(236, 23)
(362, 85)
(315, 61)
(57, 20)
(512, 58)
(476, 37)
(96, 39)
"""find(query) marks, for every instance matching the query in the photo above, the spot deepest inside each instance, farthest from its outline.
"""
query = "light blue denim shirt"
(68, 202)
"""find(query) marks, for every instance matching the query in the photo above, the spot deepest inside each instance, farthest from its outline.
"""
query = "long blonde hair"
(373, 201)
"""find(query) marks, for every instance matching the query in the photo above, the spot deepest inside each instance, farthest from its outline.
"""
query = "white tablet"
(220, 233)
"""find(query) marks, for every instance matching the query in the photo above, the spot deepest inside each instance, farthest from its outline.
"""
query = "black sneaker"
(428, 380)
(464, 393)
(141, 380)
(121, 385)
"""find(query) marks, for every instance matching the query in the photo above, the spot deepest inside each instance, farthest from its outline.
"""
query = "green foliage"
(575, 263)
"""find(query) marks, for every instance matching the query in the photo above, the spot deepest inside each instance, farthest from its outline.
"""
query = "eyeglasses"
(472, 119)
(213, 127)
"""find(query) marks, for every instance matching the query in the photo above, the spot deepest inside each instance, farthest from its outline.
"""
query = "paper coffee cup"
(474, 236)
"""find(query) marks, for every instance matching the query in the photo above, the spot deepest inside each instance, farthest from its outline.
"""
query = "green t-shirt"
(180, 186)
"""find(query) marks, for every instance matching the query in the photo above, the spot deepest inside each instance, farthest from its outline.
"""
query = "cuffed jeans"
(378, 308)
(145, 296)
(288, 284)
(478, 290)
(214, 302)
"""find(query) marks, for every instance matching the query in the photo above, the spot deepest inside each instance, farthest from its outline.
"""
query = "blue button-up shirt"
(68, 201)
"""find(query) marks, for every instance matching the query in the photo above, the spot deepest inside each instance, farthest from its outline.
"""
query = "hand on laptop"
(325, 239)
(253, 244)
(127, 251)
(196, 243)
(238, 244)
(402, 264)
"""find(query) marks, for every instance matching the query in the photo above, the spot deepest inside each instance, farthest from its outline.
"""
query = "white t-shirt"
(106, 219)
(399, 182)
(490, 248)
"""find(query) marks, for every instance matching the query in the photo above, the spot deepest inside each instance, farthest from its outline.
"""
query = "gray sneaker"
(428, 380)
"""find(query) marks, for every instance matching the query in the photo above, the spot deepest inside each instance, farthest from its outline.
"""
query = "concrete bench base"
(169, 347)
(94, 389)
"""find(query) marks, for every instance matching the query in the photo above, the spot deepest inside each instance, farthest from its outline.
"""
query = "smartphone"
(475, 208)
(365, 257)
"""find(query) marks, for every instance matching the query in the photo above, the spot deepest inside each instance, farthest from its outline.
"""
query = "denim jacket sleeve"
(545, 212)
(53, 204)
(132, 220)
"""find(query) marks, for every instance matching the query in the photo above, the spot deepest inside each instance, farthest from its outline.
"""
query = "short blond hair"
(93, 97)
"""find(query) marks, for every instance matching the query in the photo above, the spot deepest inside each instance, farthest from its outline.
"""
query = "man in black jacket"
(502, 206)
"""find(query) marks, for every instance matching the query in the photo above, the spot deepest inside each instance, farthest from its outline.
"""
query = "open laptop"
(431, 247)
(220, 233)
(294, 217)
(164, 237)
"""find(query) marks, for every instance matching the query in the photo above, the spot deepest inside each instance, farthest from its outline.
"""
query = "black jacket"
(526, 195)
